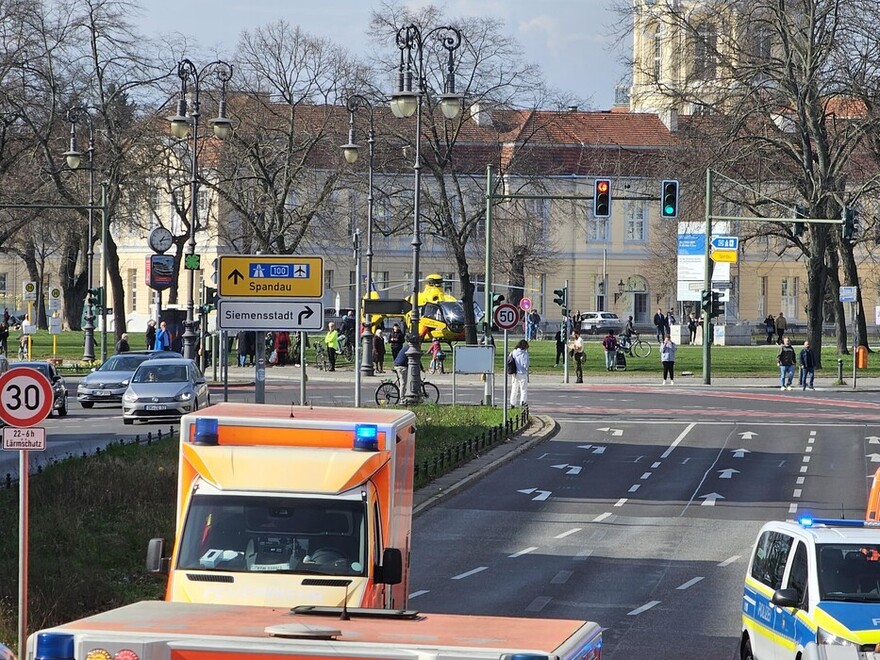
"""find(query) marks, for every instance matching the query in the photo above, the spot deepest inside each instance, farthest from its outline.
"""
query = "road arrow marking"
(747, 435)
(740, 453)
(728, 473)
(614, 432)
(598, 450)
(541, 494)
(572, 469)
(584, 446)
(873, 439)
(710, 499)
(875, 458)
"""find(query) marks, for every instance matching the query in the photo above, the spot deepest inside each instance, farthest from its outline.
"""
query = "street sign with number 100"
(506, 316)
(26, 397)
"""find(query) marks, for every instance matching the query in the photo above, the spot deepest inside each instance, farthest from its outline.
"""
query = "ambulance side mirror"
(391, 570)
(157, 562)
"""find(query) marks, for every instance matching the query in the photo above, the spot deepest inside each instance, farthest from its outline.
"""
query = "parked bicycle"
(346, 347)
(634, 346)
(388, 392)
(321, 361)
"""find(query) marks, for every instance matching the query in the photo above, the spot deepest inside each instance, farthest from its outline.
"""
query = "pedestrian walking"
(519, 381)
(122, 345)
(781, 325)
(163, 338)
(560, 345)
(770, 327)
(659, 324)
(379, 351)
(670, 321)
(576, 349)
(808, 366)
(331, 341)
(785, 360)
(667, 359)
(692, 328)
(281, 348)
(533, 322)
(150, 335)
(609, 343)
(396, 338)
(4, 338)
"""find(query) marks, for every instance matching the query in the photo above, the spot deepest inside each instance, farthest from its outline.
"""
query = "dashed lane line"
(462, 576)
(644, 608)
(569, 532)
(728, 561)
(416, 594)
(688, 584)
(522, 552)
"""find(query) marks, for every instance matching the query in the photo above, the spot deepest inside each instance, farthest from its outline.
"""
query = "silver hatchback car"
(164, 388)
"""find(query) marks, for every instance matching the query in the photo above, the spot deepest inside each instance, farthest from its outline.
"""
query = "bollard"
(149, 437)
(425, 468)
(839, 370)
(159, 434)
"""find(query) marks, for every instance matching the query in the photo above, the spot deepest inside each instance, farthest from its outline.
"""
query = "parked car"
(59, 387)
(594, 323)
(107, 383)
(164, 388)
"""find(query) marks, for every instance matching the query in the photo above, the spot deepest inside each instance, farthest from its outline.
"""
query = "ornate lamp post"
(74, 157)
(183, 124)
(355, 103)
(405, 102)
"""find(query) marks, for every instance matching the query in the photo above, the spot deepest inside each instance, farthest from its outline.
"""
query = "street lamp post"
(74, 158)
(354, 103)
(183, 124)
(405, 102)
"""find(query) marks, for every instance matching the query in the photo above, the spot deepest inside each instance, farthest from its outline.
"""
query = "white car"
(812, 584)
(599, 323)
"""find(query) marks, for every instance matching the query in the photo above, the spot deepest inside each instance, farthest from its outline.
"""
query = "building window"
(203, 199)
(658, 53)
(706, 41)
(762, 44)
(328, 279)
(634, 216)
(790, 297)
(3, 277)
(380, 280)
(132, 289)
(597, 228)
(449, 283)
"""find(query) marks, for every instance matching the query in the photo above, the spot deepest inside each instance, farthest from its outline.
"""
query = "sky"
(571, 40)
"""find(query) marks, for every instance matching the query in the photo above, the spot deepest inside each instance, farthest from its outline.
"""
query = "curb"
(540, 428)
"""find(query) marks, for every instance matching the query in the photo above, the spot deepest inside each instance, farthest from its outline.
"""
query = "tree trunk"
(832, 287)
(114, 278)
(73, 287)
(817, 275)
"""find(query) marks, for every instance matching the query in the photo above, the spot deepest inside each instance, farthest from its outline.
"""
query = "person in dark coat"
(150, 335)
(396, 339)
(560, 346)
(379, 351)
(122, 345)
(808, 366)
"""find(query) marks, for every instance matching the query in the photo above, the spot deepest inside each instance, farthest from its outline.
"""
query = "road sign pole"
(506, 379)
(855, 335)
(568, 331)
(260, 369)
(707, 285)
(22, 550)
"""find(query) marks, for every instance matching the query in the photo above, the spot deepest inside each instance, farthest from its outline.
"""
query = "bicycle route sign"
(26, 397)
(506, 316)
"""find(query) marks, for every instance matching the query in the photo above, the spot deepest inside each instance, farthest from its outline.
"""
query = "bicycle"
(321, 361)
(388, 392)
(346, 347)
(539, 334)
(635, 347)
(437, 364)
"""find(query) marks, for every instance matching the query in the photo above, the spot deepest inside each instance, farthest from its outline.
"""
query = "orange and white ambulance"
(282, 506)
(159, 630)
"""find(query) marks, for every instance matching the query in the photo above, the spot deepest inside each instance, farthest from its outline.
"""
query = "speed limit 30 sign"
(26, 397)
(506, 316)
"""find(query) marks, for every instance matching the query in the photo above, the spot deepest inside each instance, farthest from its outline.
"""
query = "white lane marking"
(685, 461)
(644, 608)
(688, 584)
(647, 475)
(809, 449)
(781, 464)
(582, 555)
(728, 561)
(538, 604)
(561, 577)
(803, 469)
(634, 488)
(416, 594)
(522, 552)
(797, 492)
(655, 465)
(602, 516)
(800, 481)
(806, 459)
(638, 459)
(620, 502)
(811, 440)
(675, 442)
(812, 433)
(543, 456)
(792, 508)
(474, 571)
(575, 530)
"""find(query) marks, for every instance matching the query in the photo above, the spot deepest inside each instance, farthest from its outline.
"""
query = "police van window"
(797, 577)
(771, 554)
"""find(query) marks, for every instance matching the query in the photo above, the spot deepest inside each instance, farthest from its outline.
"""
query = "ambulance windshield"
(849, 572)
(274, 534)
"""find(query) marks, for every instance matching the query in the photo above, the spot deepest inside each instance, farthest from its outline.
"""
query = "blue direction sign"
(849, 294)
(725, 242)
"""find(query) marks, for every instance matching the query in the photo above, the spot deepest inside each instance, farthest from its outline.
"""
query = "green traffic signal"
(669, 198)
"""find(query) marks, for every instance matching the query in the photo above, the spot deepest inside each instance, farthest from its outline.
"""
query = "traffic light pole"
(567, 331)
(707, 285)
(489, 385)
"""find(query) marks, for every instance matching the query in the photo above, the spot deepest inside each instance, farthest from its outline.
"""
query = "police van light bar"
(808, 521)
(366, 437)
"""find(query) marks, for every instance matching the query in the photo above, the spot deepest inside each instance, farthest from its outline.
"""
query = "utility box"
(861, 357)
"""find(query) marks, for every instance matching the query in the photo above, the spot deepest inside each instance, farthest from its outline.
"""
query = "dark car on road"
(59, 387)
(107, 383)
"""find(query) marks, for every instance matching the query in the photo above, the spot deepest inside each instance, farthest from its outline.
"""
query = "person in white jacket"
(519, 386)
(667, 357)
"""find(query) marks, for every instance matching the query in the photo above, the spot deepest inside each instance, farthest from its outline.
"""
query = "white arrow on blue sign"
(725, 242)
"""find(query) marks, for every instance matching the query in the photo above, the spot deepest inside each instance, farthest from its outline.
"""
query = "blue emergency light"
(54, 646)
(206, 432)
(808, 521)
(366, 437)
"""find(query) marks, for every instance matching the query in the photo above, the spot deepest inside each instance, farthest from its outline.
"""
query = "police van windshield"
(849, 572)
(274, 535)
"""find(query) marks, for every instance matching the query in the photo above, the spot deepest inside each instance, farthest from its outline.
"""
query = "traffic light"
(799, 228)
(210, 298)
(602, 198)
(669, 199)
(850, 223)
(706, 302)
(717, 305)
(96, 297)
(497, 299)
(561, 299)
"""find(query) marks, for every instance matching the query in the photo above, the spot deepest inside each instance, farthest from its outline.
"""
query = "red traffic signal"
(602, 198)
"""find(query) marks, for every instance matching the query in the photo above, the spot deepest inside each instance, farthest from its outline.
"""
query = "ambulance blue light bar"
(207, 431)
(54, 646)
(366, 437)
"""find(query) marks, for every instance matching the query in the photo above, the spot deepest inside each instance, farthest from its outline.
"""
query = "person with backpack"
(785, 360)
(518, 368)
(609, 343)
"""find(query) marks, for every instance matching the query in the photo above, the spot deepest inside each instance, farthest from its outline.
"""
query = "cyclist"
(437, 356)
(400, 367)
(625, 339)
(347, 327)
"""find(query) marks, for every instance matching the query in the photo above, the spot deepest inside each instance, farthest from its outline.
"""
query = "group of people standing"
(775, 326)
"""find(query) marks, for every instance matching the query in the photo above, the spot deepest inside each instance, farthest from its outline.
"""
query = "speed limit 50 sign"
(506, 316)
(26, 397)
